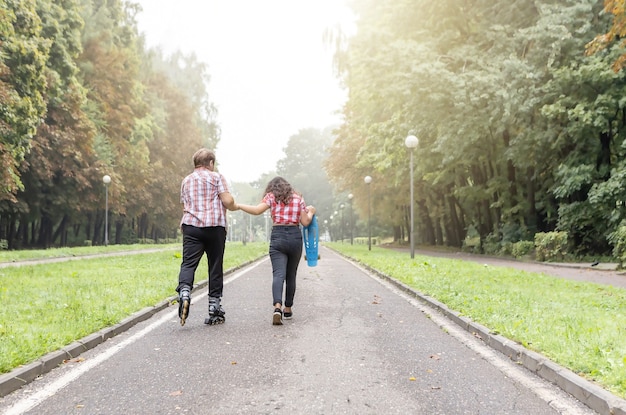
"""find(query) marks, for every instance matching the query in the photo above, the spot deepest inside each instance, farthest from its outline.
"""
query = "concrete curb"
(595, 397)
(23, 375)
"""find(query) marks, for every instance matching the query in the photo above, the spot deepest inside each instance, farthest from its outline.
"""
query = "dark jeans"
(197, 242)
(285, 254)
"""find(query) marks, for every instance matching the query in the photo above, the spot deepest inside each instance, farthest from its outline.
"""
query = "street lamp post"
(368, 180)
(106, 179)
(411, 142)
(341, 206)
(330, 228)
(350, 196)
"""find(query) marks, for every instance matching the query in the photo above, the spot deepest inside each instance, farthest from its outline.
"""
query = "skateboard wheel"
(319, 257)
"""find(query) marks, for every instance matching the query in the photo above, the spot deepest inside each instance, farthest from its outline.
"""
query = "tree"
(303, 167)
(480, 85)
(23, 55)
(61, 162)
(617, 31)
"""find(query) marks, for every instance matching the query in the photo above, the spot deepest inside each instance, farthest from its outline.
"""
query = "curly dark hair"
(283, 192)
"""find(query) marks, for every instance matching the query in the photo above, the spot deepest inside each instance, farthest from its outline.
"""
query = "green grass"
(13, 256)
(579, 325)
(47, 306)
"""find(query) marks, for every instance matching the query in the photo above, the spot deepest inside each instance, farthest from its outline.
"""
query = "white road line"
(561, 402)
(48, 391)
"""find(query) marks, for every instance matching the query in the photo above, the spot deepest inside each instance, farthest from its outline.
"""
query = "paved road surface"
(356, 345)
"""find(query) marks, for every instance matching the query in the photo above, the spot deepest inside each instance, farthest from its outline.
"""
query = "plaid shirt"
(285, 214)
(199, 194)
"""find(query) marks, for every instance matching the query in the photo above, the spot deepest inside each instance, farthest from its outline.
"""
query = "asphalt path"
(356, 345)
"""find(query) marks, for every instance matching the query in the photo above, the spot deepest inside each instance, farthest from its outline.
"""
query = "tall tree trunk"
(604, 158)
(119, 226)
(439, 240)
(88, 235)
(45, 232)
(428, 234)
(455, 237)
(12, 233)
(60, 231)
(532, 219)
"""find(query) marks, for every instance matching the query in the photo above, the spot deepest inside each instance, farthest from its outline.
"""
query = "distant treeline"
(82, 97)
(520, 130)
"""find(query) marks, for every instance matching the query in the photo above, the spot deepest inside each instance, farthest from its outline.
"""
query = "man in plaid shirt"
(205, 197)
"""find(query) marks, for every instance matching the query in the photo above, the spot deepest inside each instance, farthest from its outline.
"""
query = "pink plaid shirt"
(199, 194)
(285, 214)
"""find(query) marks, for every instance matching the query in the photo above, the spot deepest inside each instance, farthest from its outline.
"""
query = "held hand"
(232, 207)
(311, 209)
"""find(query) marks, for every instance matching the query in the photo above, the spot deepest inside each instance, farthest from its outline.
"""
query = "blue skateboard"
(311, 238)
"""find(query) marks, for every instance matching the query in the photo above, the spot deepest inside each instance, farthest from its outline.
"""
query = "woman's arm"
(254, 210)
(307, 217)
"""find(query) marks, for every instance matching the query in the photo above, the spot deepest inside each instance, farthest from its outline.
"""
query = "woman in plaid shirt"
(288, 210)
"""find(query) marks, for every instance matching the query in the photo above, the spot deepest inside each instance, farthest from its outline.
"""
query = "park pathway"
(356, 345)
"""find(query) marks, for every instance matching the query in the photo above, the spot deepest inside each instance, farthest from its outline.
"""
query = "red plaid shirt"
(200, 196)
(285, 214)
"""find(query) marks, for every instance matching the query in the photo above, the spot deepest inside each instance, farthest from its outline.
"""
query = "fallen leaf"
(176, 393)
(80, 406)
(435, 356)
(435, 387)
(412, 378)
(233, 363)
(74, 360)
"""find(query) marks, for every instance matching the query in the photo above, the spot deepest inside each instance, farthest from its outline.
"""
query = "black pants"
(197, 242)
(285, 253)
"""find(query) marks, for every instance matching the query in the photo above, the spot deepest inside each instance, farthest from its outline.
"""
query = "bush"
(618, 240)
(522, 248)
(361, 240)
(507, 248)
(551, 246)
(471, 243)
(492, 244)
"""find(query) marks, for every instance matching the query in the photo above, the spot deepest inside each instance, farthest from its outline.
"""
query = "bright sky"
(271, 74)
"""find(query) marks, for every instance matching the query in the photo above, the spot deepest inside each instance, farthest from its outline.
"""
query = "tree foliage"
(519, 131)
(81, 97)
(617, 31)
(23, 54)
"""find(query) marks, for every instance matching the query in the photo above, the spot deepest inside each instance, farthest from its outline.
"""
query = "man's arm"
(228, 201)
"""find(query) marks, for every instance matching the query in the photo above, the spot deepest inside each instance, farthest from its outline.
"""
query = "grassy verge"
(581, 326)
(47, 306)
(32, 254)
